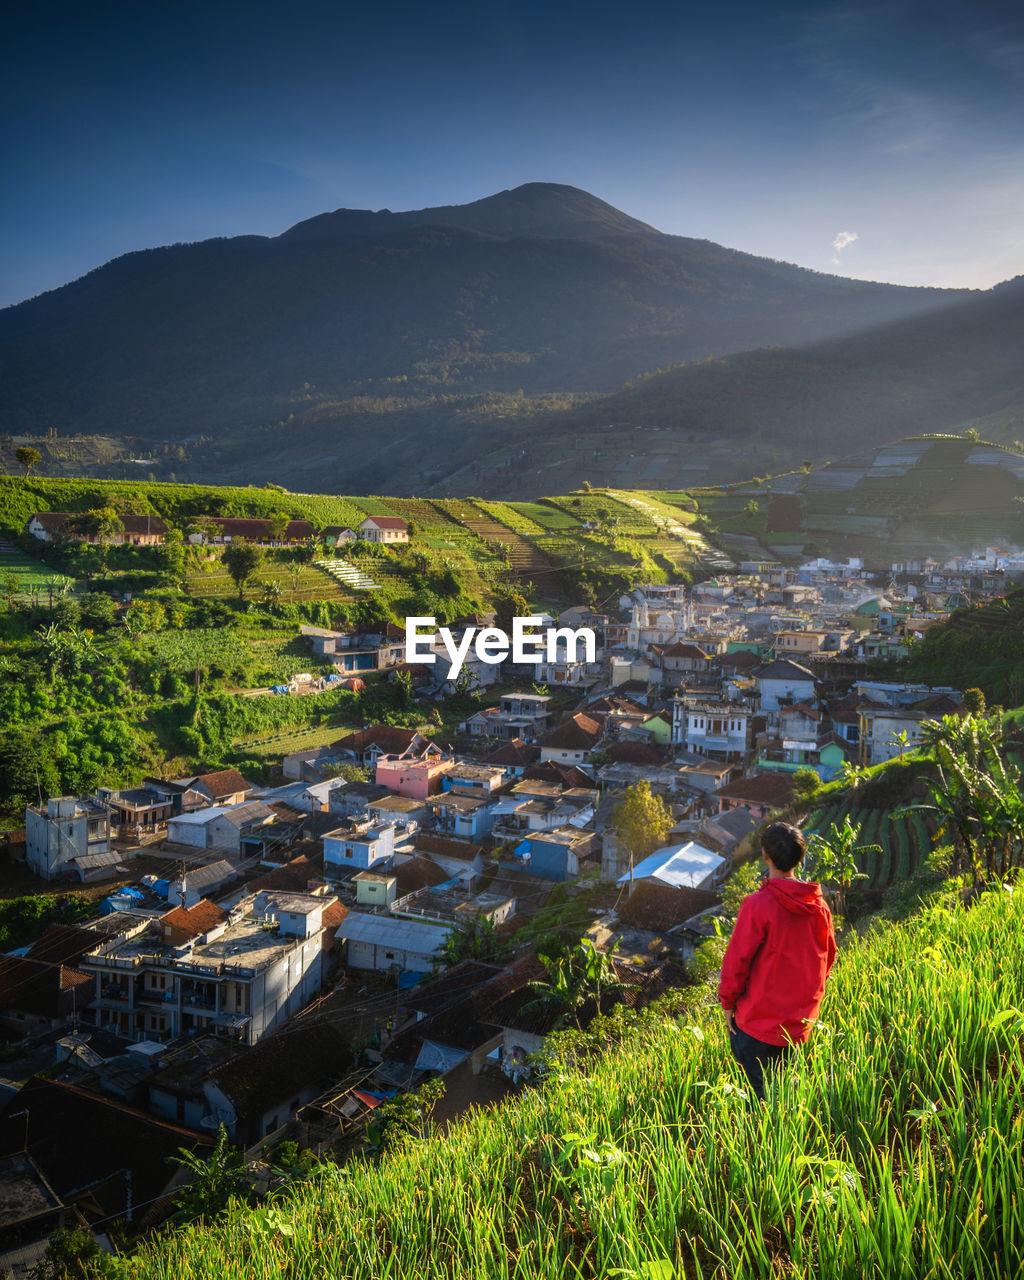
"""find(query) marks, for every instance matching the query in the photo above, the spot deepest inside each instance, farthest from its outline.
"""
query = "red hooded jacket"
(778, 958)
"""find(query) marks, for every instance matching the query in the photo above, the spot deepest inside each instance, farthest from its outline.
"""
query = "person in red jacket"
(779, 956)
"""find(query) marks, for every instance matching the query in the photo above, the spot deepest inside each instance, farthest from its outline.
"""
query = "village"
(291, 955)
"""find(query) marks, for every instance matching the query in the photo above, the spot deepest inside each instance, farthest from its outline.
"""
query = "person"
(777, 961)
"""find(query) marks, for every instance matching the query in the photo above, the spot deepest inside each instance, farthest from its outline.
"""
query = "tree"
(69, 1255)
(977, 793)
(277, 525)
(974, 702)
(270, 592)
(28, 458)
(806, 785)
(10, 588)
(242, 559)
(405, 1117)
(577, 983)
(642, 822)
(172, 554)
(100, 523)
(743, 881)
(213, 1181)
(833, 859)
(476, 939)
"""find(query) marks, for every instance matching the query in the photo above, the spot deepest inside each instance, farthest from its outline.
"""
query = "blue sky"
(881, 141)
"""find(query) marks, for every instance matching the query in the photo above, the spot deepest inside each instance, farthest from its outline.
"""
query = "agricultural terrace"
(904, 838)
(892, 1150)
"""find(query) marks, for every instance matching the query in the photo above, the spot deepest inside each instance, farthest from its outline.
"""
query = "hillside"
(718, 419)
(917, 498)
(895, 1153)
(429, 326)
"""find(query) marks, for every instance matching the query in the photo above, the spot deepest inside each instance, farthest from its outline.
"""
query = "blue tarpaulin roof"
(161, 888)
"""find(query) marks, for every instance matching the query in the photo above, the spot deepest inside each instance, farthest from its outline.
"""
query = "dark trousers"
(755, 1055)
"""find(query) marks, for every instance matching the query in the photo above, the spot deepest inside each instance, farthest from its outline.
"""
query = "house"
(462, 814)
(724, 832)
(220, 827)
(354, 653)
(571, 741)
(521, 716)
(682, 866)
(352, 799)
(680, 657)
(515, 756)
(68, 836)
(136, 811)
(185, 924)
(376, 890)
(258, 1092)
(711, 727)
(366, 746)
(37, 996)
(389, 529)
(359, 846)
(191, 887)
(336, 535)
(705, 775)
(59, 526)
(402, 812)
(476, 779)
(457, 858)
(391, 944)
(790, 643)
(226, 786)
(763, 794)
(552, 855)
(658, 907)
(415, 778)
(239, 980)
(882, 731)
(783, 682)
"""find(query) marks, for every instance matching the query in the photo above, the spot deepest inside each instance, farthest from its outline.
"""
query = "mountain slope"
(543, 289)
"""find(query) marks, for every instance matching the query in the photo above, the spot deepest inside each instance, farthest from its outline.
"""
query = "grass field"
(284, 742)
(31, 574)
(891, 1150)
(211, 580)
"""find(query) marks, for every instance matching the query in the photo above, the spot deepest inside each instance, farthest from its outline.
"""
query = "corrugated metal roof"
(406, 935)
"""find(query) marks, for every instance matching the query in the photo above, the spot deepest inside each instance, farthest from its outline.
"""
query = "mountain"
(431, 325)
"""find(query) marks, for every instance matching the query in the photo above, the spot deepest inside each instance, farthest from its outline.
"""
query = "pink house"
(415, 779)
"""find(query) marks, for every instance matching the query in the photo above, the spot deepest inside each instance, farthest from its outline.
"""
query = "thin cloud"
(840, 242)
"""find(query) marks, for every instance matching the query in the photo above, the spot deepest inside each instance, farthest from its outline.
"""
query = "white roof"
(201, 817)
(683, 866)
(405, 935)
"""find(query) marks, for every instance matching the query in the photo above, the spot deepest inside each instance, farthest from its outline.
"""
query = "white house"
(384, 529)
(717, 729)
(783, 682)
(359, 847)
(68, 836)
(682, 866)
(219, 827)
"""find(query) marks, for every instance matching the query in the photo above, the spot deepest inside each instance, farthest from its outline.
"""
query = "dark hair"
(784, 844)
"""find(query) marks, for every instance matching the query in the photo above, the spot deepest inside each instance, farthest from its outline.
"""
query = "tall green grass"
(891, 1151)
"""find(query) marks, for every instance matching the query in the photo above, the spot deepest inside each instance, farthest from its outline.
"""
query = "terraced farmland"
(522, 556)
(905, 839)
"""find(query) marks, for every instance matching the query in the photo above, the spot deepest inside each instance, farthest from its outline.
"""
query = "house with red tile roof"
(571, 741)
(388, 529)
